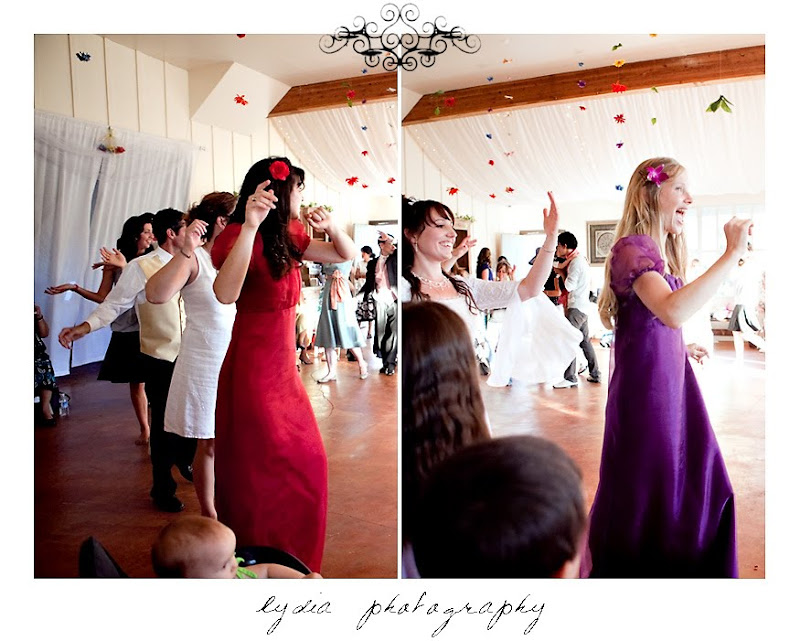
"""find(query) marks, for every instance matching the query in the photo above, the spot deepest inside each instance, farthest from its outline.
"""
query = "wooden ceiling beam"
(333, 93)
(694, 68)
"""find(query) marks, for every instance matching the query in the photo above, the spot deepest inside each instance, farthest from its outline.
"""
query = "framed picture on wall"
(601, 238)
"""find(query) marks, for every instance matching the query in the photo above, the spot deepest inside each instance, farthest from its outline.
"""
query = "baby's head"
(195, 547)
(505, 508)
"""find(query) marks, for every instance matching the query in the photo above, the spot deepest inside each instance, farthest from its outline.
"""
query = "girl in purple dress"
(664, 504)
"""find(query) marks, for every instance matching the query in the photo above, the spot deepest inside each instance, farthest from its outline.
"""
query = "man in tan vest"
(160, 328)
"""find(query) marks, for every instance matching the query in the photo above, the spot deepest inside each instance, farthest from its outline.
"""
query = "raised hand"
(110, 258)
(259, 205)
(464, 246)
(319, 218)
(697, 352)
(194, 235)
(737, 231)
(550, 217)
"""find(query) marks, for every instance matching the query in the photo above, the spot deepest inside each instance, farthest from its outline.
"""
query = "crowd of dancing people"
(205, 332)
(478, 506)
(228, 407)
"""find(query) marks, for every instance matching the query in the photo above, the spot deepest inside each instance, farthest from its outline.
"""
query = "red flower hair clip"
(279, 170)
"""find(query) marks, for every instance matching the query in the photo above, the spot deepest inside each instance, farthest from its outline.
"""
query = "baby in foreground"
(199, 547)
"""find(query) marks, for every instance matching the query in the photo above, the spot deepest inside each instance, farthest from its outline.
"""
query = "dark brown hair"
(211, 207)
(279, 250)
(416, 216)
(443, 408)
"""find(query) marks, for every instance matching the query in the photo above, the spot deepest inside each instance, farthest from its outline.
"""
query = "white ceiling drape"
(330, 144)
(574, 152)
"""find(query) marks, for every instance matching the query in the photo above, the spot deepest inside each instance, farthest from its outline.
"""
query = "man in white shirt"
(160, 335)
(575, 272)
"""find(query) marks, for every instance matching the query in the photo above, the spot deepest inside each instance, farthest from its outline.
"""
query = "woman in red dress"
(271, 468)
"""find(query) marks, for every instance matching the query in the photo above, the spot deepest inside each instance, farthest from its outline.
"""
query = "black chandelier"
(399, 44)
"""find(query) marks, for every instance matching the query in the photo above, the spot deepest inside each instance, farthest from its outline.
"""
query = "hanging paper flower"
(83, 56)
(619, 187)
(390, 181)
(655, 89)
(492, 196)
(619, 144)
(619, 63)
(509, 190)
(350, 95)
(364, 185)
(656, 175)
(452, 191)
(437, 111)
(581, 107)
(616, 46)
(653, 121)
(239, 99)
(365, 153)
(363, 101)
(489, 110)
(653, 35)
(581, 83)
(352, 180)
(279, 170)
(507, 60)
(240, 35)
(580, 64)
(449, 101)
(616, 87)
(620, 118)
(720, 103)
(363, 71)
(489, 136)
(489, 78)
(491, 162)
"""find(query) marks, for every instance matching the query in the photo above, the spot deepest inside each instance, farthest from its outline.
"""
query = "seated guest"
(199, 547)
(505, 508)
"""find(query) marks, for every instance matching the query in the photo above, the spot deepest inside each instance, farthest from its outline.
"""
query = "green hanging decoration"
(720, 103)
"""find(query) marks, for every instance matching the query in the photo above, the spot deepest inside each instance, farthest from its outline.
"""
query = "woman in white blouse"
(428, 239)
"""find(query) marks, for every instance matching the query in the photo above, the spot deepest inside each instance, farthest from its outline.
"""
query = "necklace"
(436, 284)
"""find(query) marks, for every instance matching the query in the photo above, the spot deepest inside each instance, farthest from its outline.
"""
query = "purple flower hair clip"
(656, 175)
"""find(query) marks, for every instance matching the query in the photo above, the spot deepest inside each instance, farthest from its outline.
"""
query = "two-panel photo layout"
(496, 310)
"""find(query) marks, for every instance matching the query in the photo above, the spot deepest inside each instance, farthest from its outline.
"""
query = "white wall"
(127, 89)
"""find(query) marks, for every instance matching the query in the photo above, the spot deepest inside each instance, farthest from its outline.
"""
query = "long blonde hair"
(641, 215)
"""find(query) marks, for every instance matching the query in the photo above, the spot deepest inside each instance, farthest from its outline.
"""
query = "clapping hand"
(111, 258)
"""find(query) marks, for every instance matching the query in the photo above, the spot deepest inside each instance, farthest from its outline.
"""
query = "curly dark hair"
(443, 408)
(281, 253)
(416, 216)
(129, 236)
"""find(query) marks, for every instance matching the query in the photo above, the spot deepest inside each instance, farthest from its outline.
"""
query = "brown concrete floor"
(90, 478)
(574, 418)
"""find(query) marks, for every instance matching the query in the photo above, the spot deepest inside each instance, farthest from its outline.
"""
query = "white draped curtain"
(330, 144)
(82, 197)
(574, 152)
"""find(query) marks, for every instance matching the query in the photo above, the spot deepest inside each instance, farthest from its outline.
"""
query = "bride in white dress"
(536, 342)
(193, 391)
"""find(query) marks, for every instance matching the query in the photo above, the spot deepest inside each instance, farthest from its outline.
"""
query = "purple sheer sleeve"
(631, 257)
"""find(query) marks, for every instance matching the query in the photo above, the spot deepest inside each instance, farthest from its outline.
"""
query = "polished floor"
(91, 480)
(574, 418)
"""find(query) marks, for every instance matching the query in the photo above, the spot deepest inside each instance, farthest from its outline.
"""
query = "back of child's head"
(506, 508)
(187, 545)
(442, 407)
